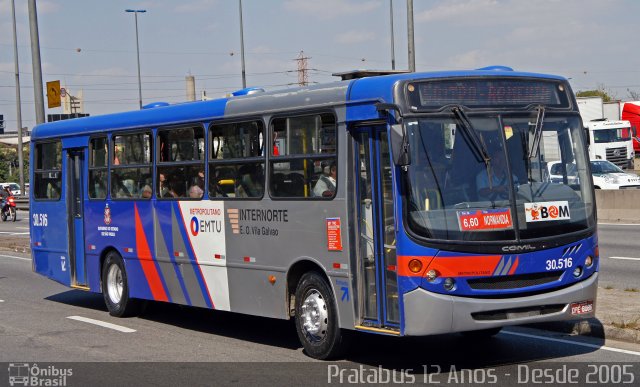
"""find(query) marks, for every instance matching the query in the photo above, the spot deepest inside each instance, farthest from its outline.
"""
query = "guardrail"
(613, 205)
(22, 203)
(618, 205)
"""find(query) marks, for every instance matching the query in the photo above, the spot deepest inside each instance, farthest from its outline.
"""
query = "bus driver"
(493, 182)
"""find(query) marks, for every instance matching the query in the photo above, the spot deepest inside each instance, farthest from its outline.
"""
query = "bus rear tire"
(115, 288)
(317, 318)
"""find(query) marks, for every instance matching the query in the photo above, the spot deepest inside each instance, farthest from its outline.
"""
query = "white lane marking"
(1, 300)
(104, 324)
(573, 343)
(12, 257)
(23, 228)
(13, 233)
(618, 224)
(626, 258)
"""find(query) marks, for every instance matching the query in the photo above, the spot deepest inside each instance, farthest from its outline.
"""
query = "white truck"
(608, 139)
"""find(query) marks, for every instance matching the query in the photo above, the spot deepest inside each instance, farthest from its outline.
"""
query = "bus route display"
(478, 93)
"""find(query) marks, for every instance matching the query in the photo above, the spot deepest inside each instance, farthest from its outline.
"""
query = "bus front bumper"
(428, 313)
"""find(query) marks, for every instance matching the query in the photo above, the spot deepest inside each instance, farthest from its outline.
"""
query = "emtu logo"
(195, 226)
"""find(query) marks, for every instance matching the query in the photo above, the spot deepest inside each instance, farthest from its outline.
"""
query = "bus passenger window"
(98, 155)
(305, 163)
(236, 164)
(180, 172)
(131, 166)
(48, 171)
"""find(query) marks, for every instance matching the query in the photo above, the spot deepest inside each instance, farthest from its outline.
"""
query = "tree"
(9, 163)
(601, 91)
(634, 95)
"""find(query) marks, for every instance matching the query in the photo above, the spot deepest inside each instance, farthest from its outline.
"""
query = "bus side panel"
(50, 239)
(268, 238)
(118, 225)
(185, 248)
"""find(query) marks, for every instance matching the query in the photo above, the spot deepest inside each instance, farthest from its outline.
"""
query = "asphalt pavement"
(617, 306)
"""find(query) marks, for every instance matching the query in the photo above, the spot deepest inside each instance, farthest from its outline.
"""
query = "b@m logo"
(546, 211)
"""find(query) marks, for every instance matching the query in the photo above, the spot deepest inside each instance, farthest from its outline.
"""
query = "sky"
(90, 45)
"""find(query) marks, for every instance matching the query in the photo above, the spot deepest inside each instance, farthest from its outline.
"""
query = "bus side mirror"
(400, 146)
(587, 134)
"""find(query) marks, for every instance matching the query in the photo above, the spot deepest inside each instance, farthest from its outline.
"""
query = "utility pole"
(244, 73)
(18, 100)
(411, 44)
(303, 76)
(36, 63)
(393, 53)
(135, 13)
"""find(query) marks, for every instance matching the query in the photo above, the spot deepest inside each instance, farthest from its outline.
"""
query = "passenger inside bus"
(146, 192)
(164, 189)
(326, 185)
(251, 181)
(197, 188)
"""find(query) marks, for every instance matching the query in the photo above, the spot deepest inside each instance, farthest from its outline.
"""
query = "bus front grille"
(514, 281)
(511, 314)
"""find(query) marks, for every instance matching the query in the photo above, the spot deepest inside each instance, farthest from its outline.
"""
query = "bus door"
(75, 204)
(378, 285)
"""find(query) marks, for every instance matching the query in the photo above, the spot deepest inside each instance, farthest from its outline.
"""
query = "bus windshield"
(456, 193)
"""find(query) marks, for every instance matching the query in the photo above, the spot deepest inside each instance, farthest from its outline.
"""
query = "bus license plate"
(583, 307)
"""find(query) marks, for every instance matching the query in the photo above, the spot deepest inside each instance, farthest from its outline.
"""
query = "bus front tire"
(115, 288)
(317, 318)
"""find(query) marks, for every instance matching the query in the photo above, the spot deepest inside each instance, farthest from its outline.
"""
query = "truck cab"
(611, 141)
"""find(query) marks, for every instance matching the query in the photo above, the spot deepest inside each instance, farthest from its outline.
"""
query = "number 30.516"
(39, 220)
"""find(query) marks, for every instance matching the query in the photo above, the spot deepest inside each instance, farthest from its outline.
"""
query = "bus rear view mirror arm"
(399, 141)
(400, 145)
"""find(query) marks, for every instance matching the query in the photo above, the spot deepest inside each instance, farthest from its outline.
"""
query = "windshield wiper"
(537, 133)
(475, 141)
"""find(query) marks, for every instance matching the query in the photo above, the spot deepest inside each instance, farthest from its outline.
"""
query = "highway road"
(619, 255)
(43, 322)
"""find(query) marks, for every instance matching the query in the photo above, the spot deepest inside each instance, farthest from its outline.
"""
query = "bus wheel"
(317, 319)
(482, 334)
(115, 288)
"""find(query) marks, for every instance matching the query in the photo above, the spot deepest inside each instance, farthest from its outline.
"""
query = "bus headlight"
(432, 275)
(589, 261)
(449, 284)
(577, 272)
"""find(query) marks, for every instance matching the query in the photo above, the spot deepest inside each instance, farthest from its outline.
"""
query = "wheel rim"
(114, 284)
(314, 317)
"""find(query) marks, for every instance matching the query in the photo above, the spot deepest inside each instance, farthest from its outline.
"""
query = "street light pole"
(135, 13)
(244, 74)
(38, 96)
(18, 100)
(393, 52)
(411, 44)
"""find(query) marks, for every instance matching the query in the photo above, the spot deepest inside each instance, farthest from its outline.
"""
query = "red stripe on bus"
(147, 263)
(465, 266)
(403, 265)
(514, 267)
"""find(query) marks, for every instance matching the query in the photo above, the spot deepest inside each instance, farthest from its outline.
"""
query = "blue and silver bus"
(402, 204)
